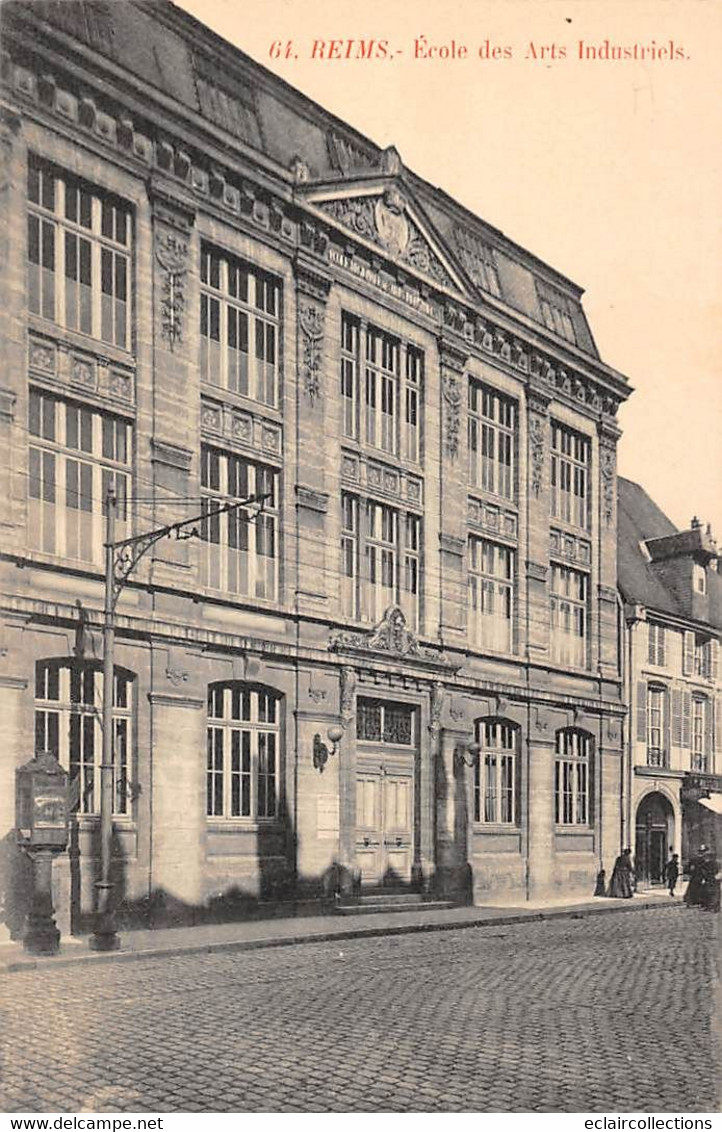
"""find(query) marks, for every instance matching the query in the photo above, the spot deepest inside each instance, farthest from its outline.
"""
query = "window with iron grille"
(572, 777)
(569, 616)
(492, 441)
(387, 722)
(570, 471)
(491, 595)
(68, 722)
(382, 390)
(240, 548)
(76, 454)
(78, 254)
(380, 560)
(240, 327)
(495, 773)
(243, 752)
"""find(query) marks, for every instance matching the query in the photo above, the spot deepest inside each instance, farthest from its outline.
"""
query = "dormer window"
(699, 579)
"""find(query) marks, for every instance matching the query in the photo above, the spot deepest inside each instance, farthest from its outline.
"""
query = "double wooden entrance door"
(385, 819)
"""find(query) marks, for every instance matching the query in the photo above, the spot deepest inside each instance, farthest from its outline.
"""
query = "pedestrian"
(710, 883)
(671, 873)
(621, 884)
(601, 884)
(693, 895)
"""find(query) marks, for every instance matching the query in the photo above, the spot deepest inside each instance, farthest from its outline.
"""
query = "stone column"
(452, 501)
(178, 821)
(453, 816)
(537, 534)
(173, 434)
(313, 395)
(538, 801)
(607, 556)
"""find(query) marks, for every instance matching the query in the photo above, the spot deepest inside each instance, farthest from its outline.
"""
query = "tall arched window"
(572, 777)
(243, 750)
(68, 722)
(496, 773)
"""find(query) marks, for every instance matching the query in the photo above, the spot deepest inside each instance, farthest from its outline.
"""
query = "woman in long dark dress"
(710, 889)
(693, 895)
(622, 875)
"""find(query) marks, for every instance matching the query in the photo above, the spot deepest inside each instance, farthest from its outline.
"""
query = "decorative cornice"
(608, 594)
(451, 357)
(537, 571)
(7, 404)
(452, 545)
(391, 638)
(166, 208)
(168, 699)
(311, 499)
(170, 455)
(311, 280)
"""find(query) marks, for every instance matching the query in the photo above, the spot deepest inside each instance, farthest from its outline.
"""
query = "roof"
(640, 581)
(183, 60)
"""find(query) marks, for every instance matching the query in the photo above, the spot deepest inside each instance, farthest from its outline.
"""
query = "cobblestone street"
(605, 1013)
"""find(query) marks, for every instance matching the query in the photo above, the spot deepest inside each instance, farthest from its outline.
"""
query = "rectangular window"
(701, 734)
(68, 723)
(240, 554)
(570, 472)
(495, 774)
(240, 327)
(657, 726)
(76, 454)
(78, 255)
(380, 560)
(572, 772)
(381, 390)
(492, 441)
(556, 312)
(491, 595)
(242, 753)
(569, 616)
(379, 721)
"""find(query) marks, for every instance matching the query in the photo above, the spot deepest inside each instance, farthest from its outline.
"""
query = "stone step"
(368, 907)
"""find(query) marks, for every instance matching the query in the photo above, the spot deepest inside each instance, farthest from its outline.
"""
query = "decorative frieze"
(391, 637)
(372, 477)
(241, 428)
(492, 518)
(89, 375)
(608, 474)
(570, 547)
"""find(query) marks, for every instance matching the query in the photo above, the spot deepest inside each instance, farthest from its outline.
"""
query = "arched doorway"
(655, 838)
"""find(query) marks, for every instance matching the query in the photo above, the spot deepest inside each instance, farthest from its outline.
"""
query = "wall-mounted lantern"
(321, 753)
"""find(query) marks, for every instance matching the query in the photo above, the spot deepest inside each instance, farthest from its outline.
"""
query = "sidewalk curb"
(359, 932)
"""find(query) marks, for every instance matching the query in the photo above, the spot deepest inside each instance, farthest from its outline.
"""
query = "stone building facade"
(215, 291)
(672, 595)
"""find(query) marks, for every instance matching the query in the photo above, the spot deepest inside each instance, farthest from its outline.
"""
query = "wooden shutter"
(688, 654)
(718, 733)
(642, 711)
(677, 717)
(661, 646)
(652, 650)
(708, 739)
(666, 728)
(713, 658)
(686, 712)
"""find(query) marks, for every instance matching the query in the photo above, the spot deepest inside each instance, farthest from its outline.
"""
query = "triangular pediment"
(382, 212)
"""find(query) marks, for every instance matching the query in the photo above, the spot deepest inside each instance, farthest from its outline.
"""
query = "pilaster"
(453, 506)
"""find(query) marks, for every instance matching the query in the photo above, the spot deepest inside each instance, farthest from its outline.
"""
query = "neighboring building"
(672, 597)
(214, 288)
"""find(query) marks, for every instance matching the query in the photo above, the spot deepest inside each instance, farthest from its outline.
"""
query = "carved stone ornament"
(391, 636)
(437, 703)
(171, 252)
(391, 224)
(607, 469)
(348, 694)
(310, 320)
(452, 399)
(536, 451)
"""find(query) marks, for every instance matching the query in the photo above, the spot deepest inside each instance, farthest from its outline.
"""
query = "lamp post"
(121, 557)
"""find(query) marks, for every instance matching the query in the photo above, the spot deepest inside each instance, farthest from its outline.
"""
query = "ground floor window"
(243, 750)
(572, 777)
(68, 723)
(495, 773)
